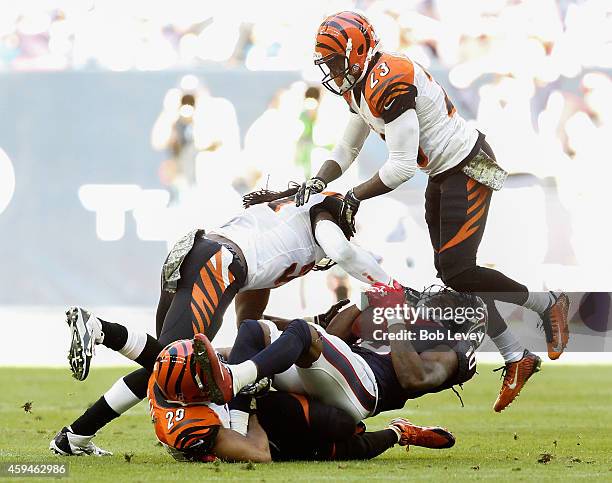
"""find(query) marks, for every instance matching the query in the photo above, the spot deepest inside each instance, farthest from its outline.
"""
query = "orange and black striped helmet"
(345, 44)
(177, 374)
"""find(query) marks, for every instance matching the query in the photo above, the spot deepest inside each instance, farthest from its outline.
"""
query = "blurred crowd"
(541, 39)
(533, 74)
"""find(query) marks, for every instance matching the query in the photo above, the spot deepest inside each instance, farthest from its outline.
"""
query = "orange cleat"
(216, 378)
(515, 376)
(428, 437)
(556, 328)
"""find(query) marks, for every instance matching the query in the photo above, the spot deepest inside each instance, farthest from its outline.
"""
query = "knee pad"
(301, 330)
(251, 327)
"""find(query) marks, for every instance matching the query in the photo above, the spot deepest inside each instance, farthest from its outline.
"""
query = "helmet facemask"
(338, 75)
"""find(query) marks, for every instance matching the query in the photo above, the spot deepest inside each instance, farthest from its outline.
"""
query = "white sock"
(243, 374)
(97, 334)
(239, 421)
(509, 346)
(120, 397)
(539, 301)
(135, 344)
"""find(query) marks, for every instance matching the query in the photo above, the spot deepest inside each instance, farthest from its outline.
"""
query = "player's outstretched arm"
(232, 446)
(353, 259)
(343, 155)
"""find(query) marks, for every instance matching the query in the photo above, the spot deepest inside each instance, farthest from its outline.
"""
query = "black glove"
(312, 186)
(324, 319)
(350, 205)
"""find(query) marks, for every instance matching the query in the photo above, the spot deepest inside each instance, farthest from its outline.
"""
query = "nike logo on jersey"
(386, 107)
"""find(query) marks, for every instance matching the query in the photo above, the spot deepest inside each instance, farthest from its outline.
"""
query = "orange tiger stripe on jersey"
(480, 195)
(393, 84)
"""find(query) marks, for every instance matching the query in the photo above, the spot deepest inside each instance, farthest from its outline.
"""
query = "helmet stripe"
(323, 46)
(361, 28)
(179, 379)
(172, 352)
(334, 39)
(338, 27)
(352, 21)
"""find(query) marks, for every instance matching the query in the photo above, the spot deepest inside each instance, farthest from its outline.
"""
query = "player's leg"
(462, 211)
(340, 378)
(327, 367)
(464, 207)
(300, 427)
(88, 330)
(76, 438)
(210, 278)
(252, 359)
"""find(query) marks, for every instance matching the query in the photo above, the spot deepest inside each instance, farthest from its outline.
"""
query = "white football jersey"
(277, 241)
(394, 84)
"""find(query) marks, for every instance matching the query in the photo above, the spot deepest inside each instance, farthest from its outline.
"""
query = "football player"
(283, 426)
(306, 359)
(266, 246)
(399, 100)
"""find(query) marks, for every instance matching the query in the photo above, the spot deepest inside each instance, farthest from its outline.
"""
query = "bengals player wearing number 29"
(399, 100)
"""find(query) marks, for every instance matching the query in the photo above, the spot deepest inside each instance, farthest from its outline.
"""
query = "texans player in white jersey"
(399, 100)
(264, 247)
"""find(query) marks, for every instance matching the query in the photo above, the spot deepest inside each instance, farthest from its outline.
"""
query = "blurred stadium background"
(125, 124)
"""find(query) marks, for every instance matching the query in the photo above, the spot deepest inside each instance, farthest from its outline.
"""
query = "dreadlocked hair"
(265, 195)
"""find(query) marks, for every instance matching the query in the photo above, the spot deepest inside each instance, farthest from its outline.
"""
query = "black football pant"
(198, 306)
(203, 294)
(456, 210)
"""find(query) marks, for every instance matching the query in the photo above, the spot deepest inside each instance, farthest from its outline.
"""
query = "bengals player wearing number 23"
(402, 102)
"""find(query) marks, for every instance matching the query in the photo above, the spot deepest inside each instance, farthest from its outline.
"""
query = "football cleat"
(515, 376)
(216, 376)
(556, 328)
(66, 443)
(428, 437)
(85, 333)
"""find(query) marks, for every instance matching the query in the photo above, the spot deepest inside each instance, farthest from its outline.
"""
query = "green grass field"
(565, 412)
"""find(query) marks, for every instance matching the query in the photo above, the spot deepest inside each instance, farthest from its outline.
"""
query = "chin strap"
(371, 53)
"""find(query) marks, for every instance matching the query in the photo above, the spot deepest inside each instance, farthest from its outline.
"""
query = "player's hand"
(257, 388)
(350, 205)
(382, 296)
(311, 187)
(324, 319)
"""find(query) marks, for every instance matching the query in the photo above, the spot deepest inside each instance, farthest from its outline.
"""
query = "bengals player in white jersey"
(267, 245)
(399, 100)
